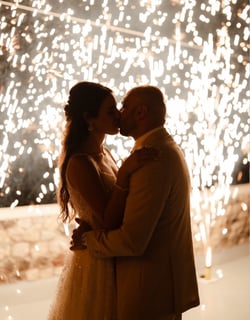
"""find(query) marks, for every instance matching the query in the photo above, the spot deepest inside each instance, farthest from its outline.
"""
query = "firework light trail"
(196, 52)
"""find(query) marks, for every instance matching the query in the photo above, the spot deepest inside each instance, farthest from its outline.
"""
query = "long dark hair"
(84, 97)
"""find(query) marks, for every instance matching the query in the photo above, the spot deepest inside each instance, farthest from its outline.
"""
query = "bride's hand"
(136, 160)
(78, 233)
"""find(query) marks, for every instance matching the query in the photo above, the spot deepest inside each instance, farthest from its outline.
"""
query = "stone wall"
(34, 242)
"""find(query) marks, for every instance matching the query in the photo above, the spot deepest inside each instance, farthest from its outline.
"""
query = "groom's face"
(128, 119)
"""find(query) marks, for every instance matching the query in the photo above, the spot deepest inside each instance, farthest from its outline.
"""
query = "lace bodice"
(83, 209)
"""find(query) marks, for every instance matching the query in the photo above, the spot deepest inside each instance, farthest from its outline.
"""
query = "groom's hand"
(78, 236)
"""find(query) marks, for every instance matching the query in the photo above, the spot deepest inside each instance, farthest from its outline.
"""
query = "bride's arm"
(84, 177)
(114, 209)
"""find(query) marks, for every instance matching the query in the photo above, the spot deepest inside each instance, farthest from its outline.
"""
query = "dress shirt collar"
(139, 143)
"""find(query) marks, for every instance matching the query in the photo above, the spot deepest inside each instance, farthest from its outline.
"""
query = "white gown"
(86, 288)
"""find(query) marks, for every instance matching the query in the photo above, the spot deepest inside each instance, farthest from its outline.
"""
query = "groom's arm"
(149, 188)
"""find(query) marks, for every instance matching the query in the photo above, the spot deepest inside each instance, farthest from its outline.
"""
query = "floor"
(224, 297)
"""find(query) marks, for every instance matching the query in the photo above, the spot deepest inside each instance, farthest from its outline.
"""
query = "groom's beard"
(127, 129)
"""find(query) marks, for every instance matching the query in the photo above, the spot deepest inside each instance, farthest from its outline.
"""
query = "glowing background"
(195, 51)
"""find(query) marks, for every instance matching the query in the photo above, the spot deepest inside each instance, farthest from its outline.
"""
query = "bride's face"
(107, 121)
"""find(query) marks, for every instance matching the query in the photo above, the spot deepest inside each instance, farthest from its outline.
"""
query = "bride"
(94, 190)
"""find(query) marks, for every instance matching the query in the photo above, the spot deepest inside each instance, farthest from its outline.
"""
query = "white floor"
(225, 297)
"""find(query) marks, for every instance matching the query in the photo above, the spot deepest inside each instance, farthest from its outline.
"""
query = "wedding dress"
(86, 287)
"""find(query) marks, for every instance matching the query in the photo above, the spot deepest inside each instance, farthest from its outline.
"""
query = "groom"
(155, 270)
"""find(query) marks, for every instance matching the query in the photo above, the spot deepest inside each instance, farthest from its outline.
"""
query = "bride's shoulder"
(80, 160)
(81, 169)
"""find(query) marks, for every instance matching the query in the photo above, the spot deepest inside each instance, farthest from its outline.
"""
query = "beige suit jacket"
(155, 270)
